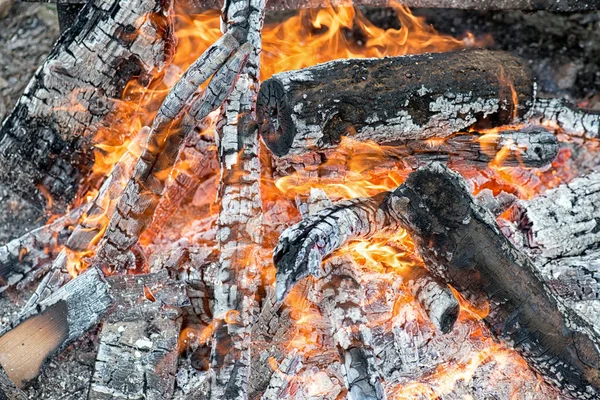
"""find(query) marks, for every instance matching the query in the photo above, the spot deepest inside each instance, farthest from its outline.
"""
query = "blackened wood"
(57, 321)
(528, 147)
(461, 243)
(67, 15)
(138, 350)
(239, 223)
(141, 195)
(31, 254)
(8, 390)
(575, 122)
(550, 5)
(391, 99)
(45, 141)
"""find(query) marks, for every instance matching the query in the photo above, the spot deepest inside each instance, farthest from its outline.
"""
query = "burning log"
(460, 242)
(391, 99)
(239, 223)
(8, 390)
(28, 254)
(138, 351)
(45, 141)
(140, 197)
(302, 247)
(573, 121)
(58, 320)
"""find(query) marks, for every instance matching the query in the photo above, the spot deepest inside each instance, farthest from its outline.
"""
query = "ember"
(341, 202)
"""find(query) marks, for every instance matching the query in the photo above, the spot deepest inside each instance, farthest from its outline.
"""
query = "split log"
(57, 321)
(528, 147)
(45, 142)
(391, 99)
(239, 223)
(302, 247)
(8, 390)
(550, 5)
(140, 197)
(461, 243)
(138, 350)
(31, 253)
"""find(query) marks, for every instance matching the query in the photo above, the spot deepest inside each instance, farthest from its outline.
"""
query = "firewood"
(138, 353)
(461, 243)
(8, 390)
(239, 223)
(573, 121)
(57, 321)
(140, 197)
(302, 247)
(32, 253)
(45, 141)
(281, 378)
(340, 298)
(550, 5)
(391, 99)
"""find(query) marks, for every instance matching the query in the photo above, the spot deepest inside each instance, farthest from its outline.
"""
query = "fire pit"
(341, 202)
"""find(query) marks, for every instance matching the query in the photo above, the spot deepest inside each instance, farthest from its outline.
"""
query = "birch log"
(391, 99)
(45, 142)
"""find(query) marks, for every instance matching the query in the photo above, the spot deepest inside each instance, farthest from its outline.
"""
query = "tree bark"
(45, 142)
(391, 99)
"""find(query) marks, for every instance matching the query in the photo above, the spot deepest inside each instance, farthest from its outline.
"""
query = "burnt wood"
(392, 99)
(8, 390)
(550, 5)
(461, 243)
(45, 142)
(46, 329)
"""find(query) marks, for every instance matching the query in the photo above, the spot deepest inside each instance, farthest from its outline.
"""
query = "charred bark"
(391, 99)
(137, 355)
(58, 320)
(461, 243)
(45, 142)
(573, 121)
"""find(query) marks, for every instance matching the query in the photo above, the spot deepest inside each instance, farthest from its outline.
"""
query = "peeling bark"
(391, 99)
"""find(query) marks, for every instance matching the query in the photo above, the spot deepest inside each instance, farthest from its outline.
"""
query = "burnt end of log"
(461, 243)
(45, 143)
(58, 320)
(392, 99)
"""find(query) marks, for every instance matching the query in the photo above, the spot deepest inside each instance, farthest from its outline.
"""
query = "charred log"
(58, 320)
(460, 242)
(137, 355)
(391, 99)
(8, 390)
(45, 142)
(572, 120)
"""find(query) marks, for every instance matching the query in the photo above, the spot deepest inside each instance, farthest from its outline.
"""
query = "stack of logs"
(539, 279)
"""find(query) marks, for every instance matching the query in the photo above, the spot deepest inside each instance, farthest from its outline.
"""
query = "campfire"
(294, 200)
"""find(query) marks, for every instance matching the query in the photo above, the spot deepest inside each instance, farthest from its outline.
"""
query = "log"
(571, 120)
(302, 247)
(550, 5)
(57, 321)
(33, 252)
(391, 99)
(239, 223)
(138, 350)
(461, 243)
(45, 142)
